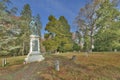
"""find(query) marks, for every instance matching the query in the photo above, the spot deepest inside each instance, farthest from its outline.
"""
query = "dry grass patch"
(97, 66)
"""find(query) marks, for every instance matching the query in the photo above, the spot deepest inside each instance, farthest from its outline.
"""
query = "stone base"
(34, 58)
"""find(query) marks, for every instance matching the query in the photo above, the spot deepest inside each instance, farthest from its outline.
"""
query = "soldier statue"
(33, 27)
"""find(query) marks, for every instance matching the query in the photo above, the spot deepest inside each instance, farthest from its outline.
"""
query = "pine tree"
(39, 24)
(26, 13)
(8, 30)
(58, 36)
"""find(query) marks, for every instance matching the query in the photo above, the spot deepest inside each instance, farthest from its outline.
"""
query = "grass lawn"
(13, 60)
(95, 66)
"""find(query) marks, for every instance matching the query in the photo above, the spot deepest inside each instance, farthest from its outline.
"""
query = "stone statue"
(34, 52)
(33, 27)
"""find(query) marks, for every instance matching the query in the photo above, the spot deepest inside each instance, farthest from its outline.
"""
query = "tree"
(13, 10)
(58, 36)
(39, 24)
(66, 43)
(26, 13)
(107, 38)
(3, 3)
(76, 47)
(8, 31)
(86, 23)
(94, 17)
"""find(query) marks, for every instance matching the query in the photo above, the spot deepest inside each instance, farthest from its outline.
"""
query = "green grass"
(13, 60)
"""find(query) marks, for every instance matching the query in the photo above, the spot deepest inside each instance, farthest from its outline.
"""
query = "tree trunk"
(91, 40)
(4, 62)
(23, 49)
(91, 43)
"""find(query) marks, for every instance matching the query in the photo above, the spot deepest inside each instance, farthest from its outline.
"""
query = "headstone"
(115, 50)
(73, 58)
(57, 68)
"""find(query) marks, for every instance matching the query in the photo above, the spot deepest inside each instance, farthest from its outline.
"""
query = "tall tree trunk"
(91, 38)
(23, 49)
(91, 42)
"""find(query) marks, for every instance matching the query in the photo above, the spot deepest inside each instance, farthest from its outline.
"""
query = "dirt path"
(26, 72)
(32, 71)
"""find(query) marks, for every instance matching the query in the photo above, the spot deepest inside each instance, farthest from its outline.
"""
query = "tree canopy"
(58, 37)
(98, 24)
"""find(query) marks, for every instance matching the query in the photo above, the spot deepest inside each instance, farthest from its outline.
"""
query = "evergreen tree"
(8, 31)
(58, 36)
(26, 13)
(39, 24)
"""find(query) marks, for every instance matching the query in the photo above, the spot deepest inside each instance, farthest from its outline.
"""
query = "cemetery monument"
(34, 52)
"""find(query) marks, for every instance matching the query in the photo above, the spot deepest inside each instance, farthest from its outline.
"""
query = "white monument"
(34, 53)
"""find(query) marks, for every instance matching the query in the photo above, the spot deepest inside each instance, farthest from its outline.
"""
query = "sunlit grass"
(94, 66)
(13, 60)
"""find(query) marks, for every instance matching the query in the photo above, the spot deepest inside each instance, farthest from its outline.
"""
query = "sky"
(67, 8)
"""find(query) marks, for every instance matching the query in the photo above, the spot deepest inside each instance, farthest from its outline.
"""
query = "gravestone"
(115, 50)
(57, 68)
(34, 52)
(73, 58)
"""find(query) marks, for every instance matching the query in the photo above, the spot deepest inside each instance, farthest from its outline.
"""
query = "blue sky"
(67, 8)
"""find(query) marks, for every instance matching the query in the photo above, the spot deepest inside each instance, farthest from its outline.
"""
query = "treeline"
(58, 37)
(98, 25)
(14, 30)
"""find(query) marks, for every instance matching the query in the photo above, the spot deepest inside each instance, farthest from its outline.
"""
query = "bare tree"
(86, 22)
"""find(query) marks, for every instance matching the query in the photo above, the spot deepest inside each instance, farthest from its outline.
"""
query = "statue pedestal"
(34, 53)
